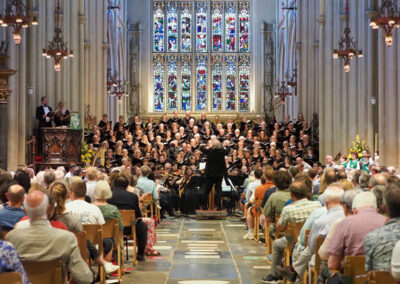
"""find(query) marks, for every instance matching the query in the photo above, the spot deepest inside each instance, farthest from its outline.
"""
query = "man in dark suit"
(125, 200)
(43, 113)
(215, 168)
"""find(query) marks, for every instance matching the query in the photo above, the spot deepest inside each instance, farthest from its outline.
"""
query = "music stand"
(232, 209)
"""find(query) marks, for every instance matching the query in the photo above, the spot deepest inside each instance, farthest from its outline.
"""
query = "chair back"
(44, 272)
(94, 234)
(354, 266)
(307, 235)
(10, 278)
(380, 277)
(82, 244)
(128, 216)
(110, 229)
(319, 241)
(292, 233)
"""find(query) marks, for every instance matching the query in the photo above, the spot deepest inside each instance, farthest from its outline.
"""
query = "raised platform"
(211, 214)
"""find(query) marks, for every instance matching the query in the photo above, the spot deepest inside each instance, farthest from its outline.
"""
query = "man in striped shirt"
(296, 212)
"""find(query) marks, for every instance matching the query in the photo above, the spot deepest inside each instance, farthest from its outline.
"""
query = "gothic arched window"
(201, 59)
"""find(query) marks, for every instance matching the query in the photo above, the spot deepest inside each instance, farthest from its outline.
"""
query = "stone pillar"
(269, 67)
(5, 73)
(134, 37)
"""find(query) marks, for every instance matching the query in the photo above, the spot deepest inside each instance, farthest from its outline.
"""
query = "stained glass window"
(217, 27)
(201, 83)
(186, 83)
(230, 27)
(158, 84)
(201, 35)
(172, 83)
(158, 28)
(201, 26)
(186, 27)
(244, 84)
(230, 96)
(172, 26)
(244, 27)
(216, 76)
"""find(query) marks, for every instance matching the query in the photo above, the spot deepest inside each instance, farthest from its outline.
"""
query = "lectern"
(61, 146)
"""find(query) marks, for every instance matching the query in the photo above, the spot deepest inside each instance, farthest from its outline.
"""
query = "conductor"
(215, 168)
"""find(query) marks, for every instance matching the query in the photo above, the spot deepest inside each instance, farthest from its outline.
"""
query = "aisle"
(202, 252)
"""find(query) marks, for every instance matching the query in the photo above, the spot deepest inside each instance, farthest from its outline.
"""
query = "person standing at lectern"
(215, 168)
(44, 113)
(62, 116)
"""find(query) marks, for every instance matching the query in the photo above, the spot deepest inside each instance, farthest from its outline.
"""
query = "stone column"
(134, 37)
(5, 73)
(269, 67)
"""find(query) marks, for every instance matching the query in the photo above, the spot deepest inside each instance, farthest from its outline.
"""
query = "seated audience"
(348, 239)
(297, 212)
(41, 242)
(332, 197)
(12, 212)
(125, 200)
(9, 260)
(379, 244)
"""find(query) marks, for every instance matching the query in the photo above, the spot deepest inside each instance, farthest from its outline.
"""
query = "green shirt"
(276, 202)
(111, 212)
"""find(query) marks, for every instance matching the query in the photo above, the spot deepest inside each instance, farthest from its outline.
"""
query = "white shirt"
(86, 212)
(46, 111)
(251, 188)
(90, 185)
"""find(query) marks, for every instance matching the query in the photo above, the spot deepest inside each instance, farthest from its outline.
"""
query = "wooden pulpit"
(61, 146)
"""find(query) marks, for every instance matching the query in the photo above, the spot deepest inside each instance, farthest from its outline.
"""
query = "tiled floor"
(202, 252)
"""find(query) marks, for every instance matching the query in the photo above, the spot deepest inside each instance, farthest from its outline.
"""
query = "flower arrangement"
(358, 146)
(86, 154)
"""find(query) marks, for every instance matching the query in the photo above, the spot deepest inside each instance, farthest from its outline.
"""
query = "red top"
(54, 223)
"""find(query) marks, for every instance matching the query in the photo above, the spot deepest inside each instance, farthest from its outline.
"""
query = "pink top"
(348, 238)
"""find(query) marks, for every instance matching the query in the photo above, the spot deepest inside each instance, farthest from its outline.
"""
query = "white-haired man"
(329, 162)
(349, 236)
(91, 175)
(42, 242)
(332, 198)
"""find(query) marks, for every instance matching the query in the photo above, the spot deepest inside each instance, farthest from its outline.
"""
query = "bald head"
(36, 204)
(15, 195)
(378, 179)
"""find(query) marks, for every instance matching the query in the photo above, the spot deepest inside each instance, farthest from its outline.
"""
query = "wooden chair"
(148, 201)
(82, 244)
(10, 278)
(111, 231)
(292, 233)
(316, 269)
(379, 277)
(354, 266)
(256, 215)
(44, 272)
(305, 276)
(269, 242)
(94, 233)
(129, 220)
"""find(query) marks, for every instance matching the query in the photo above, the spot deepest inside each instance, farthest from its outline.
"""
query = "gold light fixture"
(348, 47)
(16, 17)
(57, 48)
(388, 19)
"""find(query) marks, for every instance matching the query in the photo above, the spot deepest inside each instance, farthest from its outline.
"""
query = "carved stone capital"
(4, 94)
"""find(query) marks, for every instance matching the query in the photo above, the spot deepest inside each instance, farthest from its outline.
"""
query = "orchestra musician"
(62, 115)
(187, 192)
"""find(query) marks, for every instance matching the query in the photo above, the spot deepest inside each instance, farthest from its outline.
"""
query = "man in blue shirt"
(12, 213)
(146, 185)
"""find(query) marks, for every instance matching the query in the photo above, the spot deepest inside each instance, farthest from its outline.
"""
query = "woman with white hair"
(102, 192)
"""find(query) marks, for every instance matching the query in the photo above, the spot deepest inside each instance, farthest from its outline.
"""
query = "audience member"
(41, 242)
(12, 212)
